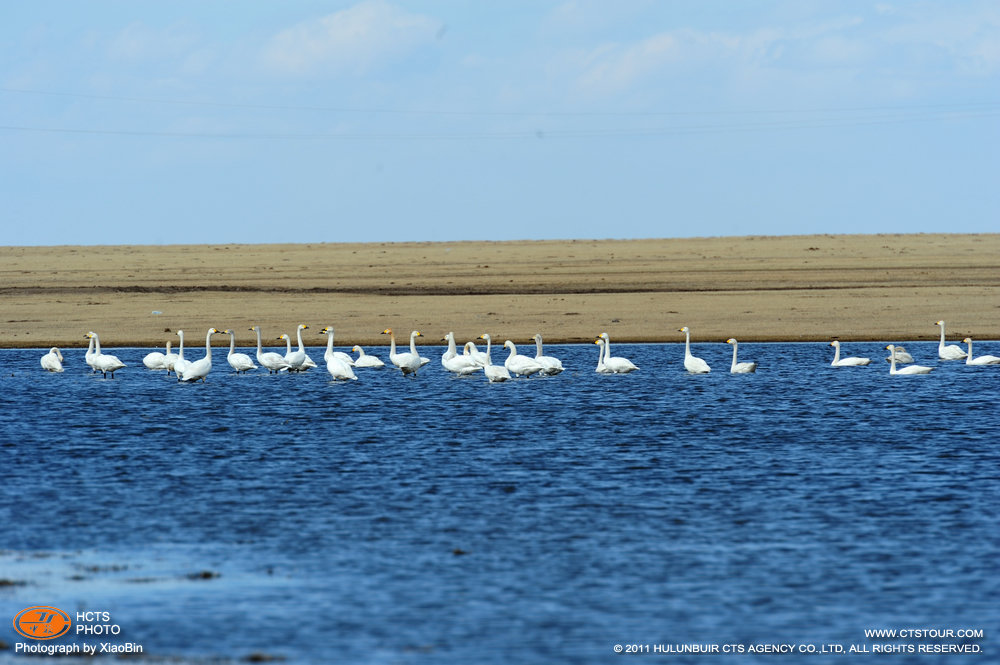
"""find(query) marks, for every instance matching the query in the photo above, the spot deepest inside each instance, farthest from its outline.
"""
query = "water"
(544, 520)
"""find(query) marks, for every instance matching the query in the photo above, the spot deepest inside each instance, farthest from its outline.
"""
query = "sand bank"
(798, 288)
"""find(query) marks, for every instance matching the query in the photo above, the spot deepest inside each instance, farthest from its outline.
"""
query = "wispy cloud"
(352, 41)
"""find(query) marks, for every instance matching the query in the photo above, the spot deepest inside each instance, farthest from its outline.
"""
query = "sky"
(229, 121)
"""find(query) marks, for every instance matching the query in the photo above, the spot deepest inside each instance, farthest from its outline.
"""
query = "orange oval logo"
(42, 622)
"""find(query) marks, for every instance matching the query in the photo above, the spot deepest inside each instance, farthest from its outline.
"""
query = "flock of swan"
(471, 360)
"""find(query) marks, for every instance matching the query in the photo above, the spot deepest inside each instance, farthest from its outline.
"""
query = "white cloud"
(351, 41)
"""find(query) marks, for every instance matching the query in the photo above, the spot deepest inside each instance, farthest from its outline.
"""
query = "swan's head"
(835, 343)
(599, 340)
(253, 328)
(448, 337)
(282, 336)
(939, 323)
(355, 348)
(485, 336)
(180, 333)
(90, 335)
(416, 333)
(228, 331)
(890, 347)
(214, 331)
(387, 331)
(683, 330)
(303, 326)
(731, 340)
(508, 344)
(604, 336)
(967, 340)
(537, 338)
(326, 330)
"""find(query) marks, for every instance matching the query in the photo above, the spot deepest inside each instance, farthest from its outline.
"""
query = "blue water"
(447, 520)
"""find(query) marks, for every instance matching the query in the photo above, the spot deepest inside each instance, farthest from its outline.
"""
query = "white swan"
(408, 363)
(909, 369)
(104, 362)
(274, 362)
(52, 361)
(169, 358)
(89, 356)
(903, 356)
(180, 363)
(601, 368)
(477, 356)
(981, 360)
(155, 359)
(495, 373)
(692, 364)
(519, 365)
(239, 361)
(614, 365)
(365, 360)
(948, 351)
(199, 369)
(852, 361)
(302, 349)
(458, 364)
(335, 365)
(299, 360)
(739, 368)
(413, 347)
(339, 355)
(550, 364)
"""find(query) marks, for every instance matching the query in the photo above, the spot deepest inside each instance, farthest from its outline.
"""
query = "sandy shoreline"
(794, 288)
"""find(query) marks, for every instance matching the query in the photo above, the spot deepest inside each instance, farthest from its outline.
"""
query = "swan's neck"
(392, 344)
(600, 355)
(538, 348)
(90, 347)
(941, 345)
(892, 360)
(97, 344)
(836, 353)
(413, 344)
(513, 350)
(232, 343)
(168, 347)
(180, 351)
(687, 343)
(968, 358)
(329, 342)
(734, 358)
(489, 344)
(301, 348)
(208, 345)
(452, 350)
(288, 344)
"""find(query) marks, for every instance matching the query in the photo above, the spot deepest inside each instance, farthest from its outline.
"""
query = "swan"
(335, 365)
(365, 360)
(298, 361)
(339, 355)
(520, 365)
(692, 364)
(909, 369)
(981, 360)
(274, 362)
(239, 361)
(180, 364)
(89, 356)
(199, 369)
(613, 365)
(52, 361)
(459, 364)
(477, 356)
(853, 361)
(169, 358)
(948, 351)
(302, 349)
(104, 362)
(413, 347)
(408, 363)
(495, 373)
(156, 360)
(601, 367)
(739, 368)
(903, 356)
(550, 364)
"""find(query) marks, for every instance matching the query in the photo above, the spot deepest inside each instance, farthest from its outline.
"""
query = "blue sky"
(257, 122)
